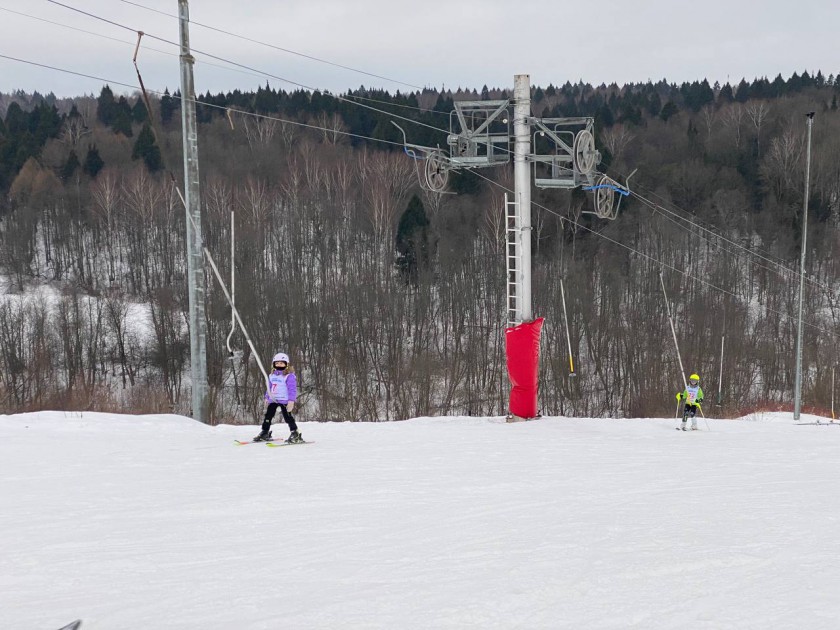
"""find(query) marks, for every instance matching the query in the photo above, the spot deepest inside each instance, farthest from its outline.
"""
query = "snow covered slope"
(160, 522)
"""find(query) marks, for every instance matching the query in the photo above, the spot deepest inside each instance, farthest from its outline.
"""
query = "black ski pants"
(690, 411)
(287, 416)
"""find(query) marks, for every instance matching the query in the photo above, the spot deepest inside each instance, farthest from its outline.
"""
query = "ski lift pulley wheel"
(585, 155)
(605, 206)
(437, 172)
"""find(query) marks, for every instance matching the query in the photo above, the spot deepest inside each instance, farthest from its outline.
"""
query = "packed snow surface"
(161, 522)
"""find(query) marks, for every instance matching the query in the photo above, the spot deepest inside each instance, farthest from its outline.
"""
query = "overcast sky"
(466, 43)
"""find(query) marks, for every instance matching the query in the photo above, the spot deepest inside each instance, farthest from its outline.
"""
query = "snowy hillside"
(160, 522)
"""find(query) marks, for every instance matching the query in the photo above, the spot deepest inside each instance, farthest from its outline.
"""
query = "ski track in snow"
(161, 522)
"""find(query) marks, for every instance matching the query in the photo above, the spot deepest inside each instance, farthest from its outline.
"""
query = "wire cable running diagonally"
(275, 47)
(73, 72)
(752, 252)
(121, 41)
(79, 30)
(196, 51)
(651, 258)
(134, 86)
(776, 269)
(96, 17)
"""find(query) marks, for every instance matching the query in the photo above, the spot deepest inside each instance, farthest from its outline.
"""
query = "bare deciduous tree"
(783, 163)
(733, 118)
(758, 111)
(616, 140)
(709, 114)
(259, 130)
(332, 127)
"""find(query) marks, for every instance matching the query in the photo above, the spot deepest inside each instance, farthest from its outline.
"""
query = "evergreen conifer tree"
(168, 107)
(105, 106)
(121, 118)
(654, 105)
(70, 166)
(742, 94)
(93, 161)
(413, 255)
(138, 112)
(669, 110)
(146, 149)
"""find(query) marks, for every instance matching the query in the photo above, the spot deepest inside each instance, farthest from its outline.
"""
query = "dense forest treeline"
(390, 298)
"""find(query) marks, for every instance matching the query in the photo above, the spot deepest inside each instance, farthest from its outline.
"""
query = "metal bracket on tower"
(479, 136)
(482, 135)
(573, 158)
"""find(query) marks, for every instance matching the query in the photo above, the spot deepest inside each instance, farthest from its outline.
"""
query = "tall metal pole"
(522, 188)
(195, 268)
(232, 284)
(797, 394)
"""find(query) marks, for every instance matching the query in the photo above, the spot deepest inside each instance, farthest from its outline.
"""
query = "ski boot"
(264, 436)
(294, 438)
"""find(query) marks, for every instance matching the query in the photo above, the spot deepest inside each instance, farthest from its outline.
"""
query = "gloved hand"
(699, 400)
(290, 406)
(679, 396)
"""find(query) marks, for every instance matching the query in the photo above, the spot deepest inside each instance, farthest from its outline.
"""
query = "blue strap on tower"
(618, 189)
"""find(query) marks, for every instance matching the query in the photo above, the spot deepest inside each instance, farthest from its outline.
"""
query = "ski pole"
(568, 338)
(703, 415)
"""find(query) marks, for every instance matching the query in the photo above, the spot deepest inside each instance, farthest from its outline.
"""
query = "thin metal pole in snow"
(832, 395)
(236, 315)
(232, 303)
(568, 337)
(232, 285)
(720, 375)
(797, 392)
(673, 330)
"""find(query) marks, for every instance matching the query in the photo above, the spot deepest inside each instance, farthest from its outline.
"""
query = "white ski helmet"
(280, 356)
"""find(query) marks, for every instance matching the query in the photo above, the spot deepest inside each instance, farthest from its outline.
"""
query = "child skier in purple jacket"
(282, 393)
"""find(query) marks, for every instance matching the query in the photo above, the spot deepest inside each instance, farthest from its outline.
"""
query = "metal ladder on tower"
(513, 257)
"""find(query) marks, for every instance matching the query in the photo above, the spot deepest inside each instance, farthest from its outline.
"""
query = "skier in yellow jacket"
(693, 396)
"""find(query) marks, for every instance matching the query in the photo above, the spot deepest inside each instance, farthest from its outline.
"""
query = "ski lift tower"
(479, 137)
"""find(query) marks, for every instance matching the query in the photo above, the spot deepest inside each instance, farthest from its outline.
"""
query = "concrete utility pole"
(522, 190)
(195, 261)
(797, 394)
